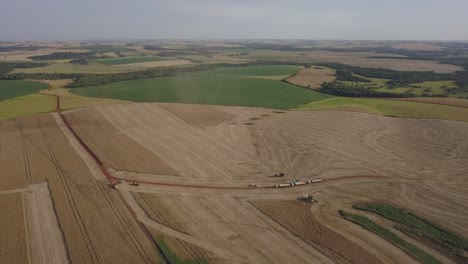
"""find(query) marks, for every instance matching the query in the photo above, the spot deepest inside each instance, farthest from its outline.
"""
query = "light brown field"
(312, 77)
(126, 154)
(46, 242)
(300, 221)
(418, 164)
(438, 100)
(13, 238)
(157, 212)
(199, 115)
(95, 223)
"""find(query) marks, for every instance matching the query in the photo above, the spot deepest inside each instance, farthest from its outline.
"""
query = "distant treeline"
(15, 47)
(62, 56)
(87, 79)
(188, 50)
(347, 75)
(174, 53)
(342, 89)
(102, 48)
(397, 78)
(7, 67)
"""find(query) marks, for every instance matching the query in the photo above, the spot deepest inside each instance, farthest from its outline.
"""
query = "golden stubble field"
(418, 164)
(83, 215)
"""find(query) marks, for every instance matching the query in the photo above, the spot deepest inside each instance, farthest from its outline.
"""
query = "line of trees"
(341, 89)
(398, 78)
(62, 56)
(346, 75)
(7, 67)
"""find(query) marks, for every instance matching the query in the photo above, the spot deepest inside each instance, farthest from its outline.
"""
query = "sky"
(240, 19)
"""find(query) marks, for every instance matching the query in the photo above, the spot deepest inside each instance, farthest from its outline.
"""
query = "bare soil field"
(312, 77)
(13, 238)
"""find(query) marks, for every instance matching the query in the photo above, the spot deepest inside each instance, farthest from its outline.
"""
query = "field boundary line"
(71, 201)
(26, 228)
(25, 153)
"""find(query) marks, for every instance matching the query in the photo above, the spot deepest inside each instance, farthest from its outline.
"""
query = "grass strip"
(410, 249)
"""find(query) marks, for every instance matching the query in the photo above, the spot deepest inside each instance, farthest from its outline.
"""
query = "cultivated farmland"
(12, 89)
(230, 86)
(233, 163)
(312, 77)
(240, 145)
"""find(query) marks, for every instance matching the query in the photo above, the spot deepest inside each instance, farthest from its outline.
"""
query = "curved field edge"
(13, 88)
(208, 88)
(26, 105)
(393, 108)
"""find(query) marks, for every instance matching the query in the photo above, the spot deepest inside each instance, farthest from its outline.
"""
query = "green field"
(390, 108)
(267, 70)
(421, 228)
(26, 105)
(226, 86)
(412, 250)
(12, 89)
(129, 59)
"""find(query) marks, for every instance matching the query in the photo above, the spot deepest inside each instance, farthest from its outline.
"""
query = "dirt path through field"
(46, 242)
(143, 217)
(87, 159)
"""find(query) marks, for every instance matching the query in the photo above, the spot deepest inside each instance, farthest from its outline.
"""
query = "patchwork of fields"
(237, 164)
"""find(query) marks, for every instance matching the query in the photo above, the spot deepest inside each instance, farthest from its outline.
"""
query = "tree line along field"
(129, 59)
(224, 86)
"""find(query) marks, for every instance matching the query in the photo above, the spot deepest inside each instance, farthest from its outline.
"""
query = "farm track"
(134, 240)
(202, 207)
(71, 200)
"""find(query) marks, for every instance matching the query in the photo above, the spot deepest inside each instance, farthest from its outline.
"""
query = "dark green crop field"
(12, 89)
(226, 86)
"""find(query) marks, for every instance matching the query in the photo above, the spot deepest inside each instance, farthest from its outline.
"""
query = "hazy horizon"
(431, 20)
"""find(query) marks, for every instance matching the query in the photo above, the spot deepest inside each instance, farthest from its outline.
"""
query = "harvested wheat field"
(14, 237)
(194, 165)
(205, 209)
(94, 224)
(312, 77)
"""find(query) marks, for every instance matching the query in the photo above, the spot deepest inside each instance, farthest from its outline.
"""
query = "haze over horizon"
(257, 19)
